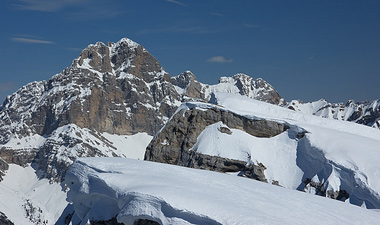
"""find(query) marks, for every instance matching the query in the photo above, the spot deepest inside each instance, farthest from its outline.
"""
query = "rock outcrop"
(174, 143)
(4, 220)
(3, 167)
(118, 88)
(245, 85)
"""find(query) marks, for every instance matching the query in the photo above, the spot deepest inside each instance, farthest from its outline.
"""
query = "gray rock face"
(118, 88)
(4, 220)
(174, 142)
(320, 190)
(3, 167)
(190, 86)
(20, 157)
(245, 85)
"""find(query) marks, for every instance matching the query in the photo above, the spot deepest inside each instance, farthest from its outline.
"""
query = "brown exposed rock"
(188, 82)
(173, 143)
(19, 157)
(3, 167)
(118, 88)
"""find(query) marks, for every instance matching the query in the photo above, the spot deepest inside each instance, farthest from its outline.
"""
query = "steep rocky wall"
(119, 88)
(173, 143)
(3, 167)
(4, 220)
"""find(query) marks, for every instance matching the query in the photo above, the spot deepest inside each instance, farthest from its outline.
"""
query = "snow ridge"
(340, 155)
(366, 113)
(112, 91)
(170, 194)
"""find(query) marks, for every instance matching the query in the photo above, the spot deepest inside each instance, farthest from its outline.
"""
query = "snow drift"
(322, 156)
(133, 190)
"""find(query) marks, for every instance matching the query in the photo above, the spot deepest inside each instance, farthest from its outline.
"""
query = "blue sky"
(307, 49)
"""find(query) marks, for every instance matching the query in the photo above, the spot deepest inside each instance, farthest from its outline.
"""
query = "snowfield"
(104, 188)
(26, 199)
(339, 154)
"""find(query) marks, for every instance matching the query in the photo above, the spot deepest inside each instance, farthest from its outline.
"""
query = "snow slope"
(22, 190)
(341, 157)
(26, 199)
(104, 188)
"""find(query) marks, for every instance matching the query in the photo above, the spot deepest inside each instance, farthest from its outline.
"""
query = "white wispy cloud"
(217, 14)
(94, 13)
(251, 25)
(78, 9)
(46, 5)
(177, 2)
(219, 59)
(31, 41)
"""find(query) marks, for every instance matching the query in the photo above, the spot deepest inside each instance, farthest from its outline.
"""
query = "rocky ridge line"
(118, 88)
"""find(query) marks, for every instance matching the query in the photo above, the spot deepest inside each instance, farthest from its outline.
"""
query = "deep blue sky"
(307, 49)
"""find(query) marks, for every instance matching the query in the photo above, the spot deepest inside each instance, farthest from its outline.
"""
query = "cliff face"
(108, 89)
(118, 88)
(175, 143)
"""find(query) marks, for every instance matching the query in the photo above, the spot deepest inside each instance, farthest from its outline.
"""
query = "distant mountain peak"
(115, 88)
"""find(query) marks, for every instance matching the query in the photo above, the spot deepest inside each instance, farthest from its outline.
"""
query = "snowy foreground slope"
(104, 188)
(338, 154)
(26, 198)
(327, 157)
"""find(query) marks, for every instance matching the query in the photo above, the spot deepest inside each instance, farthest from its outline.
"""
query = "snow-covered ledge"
(132, 190)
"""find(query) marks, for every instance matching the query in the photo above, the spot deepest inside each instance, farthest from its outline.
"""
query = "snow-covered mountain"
(109, 102)
(118, 89)
(366, 113)
(327, 157)
(115, 97)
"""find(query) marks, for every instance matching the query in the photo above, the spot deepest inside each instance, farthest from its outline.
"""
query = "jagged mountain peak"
(366, 113)
(109, 92)
(243, 84)
(118, 88)
(184, 79)
(123, 58)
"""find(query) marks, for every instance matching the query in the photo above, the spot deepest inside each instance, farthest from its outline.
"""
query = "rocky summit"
(117, 88)
(114, 92)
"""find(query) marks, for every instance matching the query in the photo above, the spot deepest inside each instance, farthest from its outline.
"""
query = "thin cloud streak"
(46, 5)
(78, 9)
(217, 14)
(219, 59)
(31, 41)
(251, 25)
(94, 13)
(178, 3)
